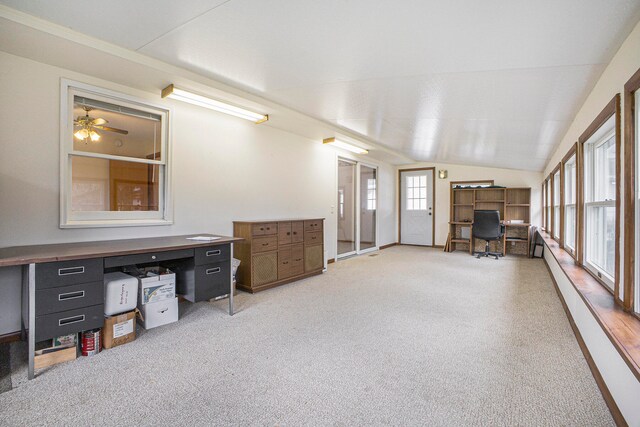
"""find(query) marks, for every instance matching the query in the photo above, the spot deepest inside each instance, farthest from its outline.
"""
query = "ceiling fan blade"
(99, 121)
(108, 129)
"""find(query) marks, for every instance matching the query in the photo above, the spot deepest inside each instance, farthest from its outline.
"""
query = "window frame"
(547, 204)
(99, 219)
(572, 153)
(631, 291)
(612, 109)
(552, 202)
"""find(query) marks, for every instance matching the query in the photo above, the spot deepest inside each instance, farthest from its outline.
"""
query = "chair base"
(487, 253)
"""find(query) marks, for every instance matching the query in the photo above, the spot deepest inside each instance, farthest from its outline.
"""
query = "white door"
(416, 207)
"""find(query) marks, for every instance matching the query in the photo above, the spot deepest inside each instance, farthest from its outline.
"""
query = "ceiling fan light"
(95, 136)
(82, 134)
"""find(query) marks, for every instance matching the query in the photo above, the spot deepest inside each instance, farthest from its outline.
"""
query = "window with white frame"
(115, 157)
(371, 194)
(570, 204)
(547, 204)
(600, 202)
(637, 227)
(556, 205)
(417, 193)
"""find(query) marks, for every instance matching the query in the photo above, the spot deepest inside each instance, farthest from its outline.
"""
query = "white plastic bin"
(120, 293)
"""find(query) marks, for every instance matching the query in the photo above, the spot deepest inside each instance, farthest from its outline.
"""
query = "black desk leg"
(231, 282)
(31, 280)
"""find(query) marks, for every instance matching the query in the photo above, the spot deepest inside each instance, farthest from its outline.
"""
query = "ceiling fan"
(88, 125)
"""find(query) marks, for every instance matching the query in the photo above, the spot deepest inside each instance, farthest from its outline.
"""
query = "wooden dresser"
(278, 252)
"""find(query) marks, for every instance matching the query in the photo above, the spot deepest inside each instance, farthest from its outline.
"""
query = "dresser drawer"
(54, 300)
(313, 238)
(263, 244)
(146, 258)
(212, 254)
(264, 229)
(61, 273)
(313, 225)
(297, 260)
(297, 232)
(212, 280)
(284, 263)
(69, 322)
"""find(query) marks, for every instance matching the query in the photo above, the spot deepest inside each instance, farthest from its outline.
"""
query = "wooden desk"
(63, 287)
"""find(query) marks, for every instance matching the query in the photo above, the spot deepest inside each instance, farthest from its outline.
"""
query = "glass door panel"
(368, 206)
(346, 208)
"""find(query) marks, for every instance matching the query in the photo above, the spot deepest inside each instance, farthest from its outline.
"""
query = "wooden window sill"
(622, 328)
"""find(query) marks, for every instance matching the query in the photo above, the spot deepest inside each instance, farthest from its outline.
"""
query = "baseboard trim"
(331, 260)
(11, 337)
(387, 246)
(604, 390)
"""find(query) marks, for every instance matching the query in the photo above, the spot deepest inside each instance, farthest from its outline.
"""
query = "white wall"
(504, 177)
(223, 168)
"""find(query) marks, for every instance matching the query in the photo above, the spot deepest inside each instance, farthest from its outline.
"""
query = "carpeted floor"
(412, 336)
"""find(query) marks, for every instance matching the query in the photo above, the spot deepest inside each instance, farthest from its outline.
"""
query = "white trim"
(69, 219)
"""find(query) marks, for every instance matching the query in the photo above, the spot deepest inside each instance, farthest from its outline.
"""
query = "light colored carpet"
(412, 336)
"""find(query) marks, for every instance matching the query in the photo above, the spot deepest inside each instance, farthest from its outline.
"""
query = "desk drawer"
(263, 244)
(212, 280)
(149, 257)
(69, 322)
(62, 273)
(54, 300)
(211, 254)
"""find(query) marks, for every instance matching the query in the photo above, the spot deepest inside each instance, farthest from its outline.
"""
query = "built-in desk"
(63, 286)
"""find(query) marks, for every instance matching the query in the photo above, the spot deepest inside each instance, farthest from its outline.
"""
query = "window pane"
(423, 181)
(423, 193)
(100, 127)
(604, 169)
(570, 181)
(600, 237)
(113, 185)
(570, 226)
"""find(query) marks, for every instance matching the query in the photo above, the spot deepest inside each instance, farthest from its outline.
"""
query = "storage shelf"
(463, 204)
(517, 205)
(461, 223)
(459, 240)
(516, 239)
(489, 201)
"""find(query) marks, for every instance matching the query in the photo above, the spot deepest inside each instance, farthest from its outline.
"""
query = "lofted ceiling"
(492, 83)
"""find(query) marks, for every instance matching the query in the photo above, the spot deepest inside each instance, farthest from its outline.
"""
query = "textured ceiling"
(492, 83)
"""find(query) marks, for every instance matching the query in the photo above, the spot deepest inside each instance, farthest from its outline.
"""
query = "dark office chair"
(486, 226)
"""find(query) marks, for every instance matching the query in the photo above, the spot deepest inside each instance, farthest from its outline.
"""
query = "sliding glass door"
(346, 207)
(357, 207)
(368, 206)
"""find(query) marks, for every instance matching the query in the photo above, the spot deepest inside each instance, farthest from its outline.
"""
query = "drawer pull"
(261, 229)
(213, 253)
(70, 295)
(213, 270)
(285, 262)
(295, 232)
(153, 257)
(313, 237)
(70, 270)
(70, 320)
(265, 244)
(288, 233)
(299, 259)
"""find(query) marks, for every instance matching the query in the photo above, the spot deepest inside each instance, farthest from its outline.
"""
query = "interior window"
(570, 204)
(371, 194)
(600, 202)
(115, 160)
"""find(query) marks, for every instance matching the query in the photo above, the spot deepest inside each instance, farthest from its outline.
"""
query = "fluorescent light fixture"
(344, 145)
(182, 95)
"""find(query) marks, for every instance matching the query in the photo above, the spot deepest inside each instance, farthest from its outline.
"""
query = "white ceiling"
(492, 83)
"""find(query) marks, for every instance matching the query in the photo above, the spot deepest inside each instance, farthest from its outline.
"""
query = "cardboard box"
(51, 356)
(119, 329)
(156, 284)
(160, 313)
(120, 293)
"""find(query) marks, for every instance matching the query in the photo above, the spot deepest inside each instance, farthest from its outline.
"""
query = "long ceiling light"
(344, 145)
(182, 95)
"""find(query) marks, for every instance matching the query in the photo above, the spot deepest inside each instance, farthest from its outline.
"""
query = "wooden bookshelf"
(513, 204)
